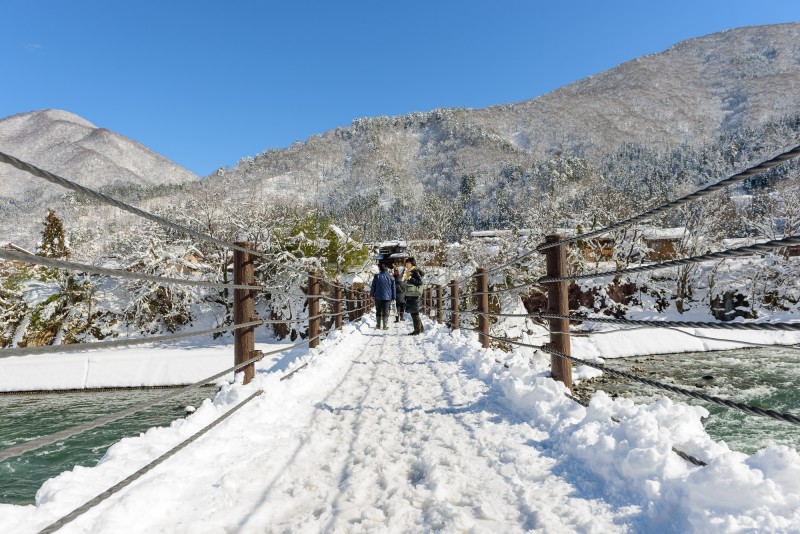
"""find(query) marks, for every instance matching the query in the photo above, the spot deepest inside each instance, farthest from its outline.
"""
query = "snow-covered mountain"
(690, 94)
(741, 84)
(69, 146)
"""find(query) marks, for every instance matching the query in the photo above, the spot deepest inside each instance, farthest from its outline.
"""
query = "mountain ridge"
(69, 145)
(692, 93)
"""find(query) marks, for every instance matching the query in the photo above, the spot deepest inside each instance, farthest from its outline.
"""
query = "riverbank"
(187, 362)
(142, 366)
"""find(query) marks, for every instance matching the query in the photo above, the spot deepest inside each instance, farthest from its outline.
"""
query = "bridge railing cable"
(788, 418)
(38, 443)
(147, 468)
(688, 457)
(717, 325)
(747, 173)
(85, 268)
(721, 255)
(100, 345)
(53, 178)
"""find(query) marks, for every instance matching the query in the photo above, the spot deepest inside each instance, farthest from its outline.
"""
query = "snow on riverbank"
(140, 366)
(387, 432)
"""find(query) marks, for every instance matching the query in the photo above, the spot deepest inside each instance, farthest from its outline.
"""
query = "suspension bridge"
(360, 451)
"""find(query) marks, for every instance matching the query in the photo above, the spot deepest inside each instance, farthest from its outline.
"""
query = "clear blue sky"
(205, 83)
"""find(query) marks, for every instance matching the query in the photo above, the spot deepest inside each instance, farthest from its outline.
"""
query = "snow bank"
(633, 459)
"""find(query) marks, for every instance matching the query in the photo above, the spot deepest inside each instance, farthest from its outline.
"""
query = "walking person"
(413, 290)
(400, 299)
(383, 292)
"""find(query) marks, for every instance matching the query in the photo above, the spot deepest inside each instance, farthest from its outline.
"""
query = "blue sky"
(207, 83)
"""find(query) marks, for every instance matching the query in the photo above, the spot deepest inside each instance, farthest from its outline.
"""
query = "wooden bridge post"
(439, 303)
(244, 309)
(558, 303)
(454, 319)
(337, 306)
(349, 304)
(313, 308)
(482, 279)
(429, 303)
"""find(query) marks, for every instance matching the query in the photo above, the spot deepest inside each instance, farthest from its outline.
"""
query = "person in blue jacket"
(383, 292)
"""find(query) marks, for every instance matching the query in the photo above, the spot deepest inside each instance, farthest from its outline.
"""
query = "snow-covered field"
(385, 432)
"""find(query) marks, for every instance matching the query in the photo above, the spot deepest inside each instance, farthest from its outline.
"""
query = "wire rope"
(144, 470)
(38, 443)
(788, 418)
(688, 457)
(70, 266)
(53, 178)
(747, 173)
(99, 345)
(723, 254)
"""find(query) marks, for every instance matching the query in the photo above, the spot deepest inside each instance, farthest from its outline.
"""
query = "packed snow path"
(401, 438)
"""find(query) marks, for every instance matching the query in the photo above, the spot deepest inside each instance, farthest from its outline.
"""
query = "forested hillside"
(440, 176)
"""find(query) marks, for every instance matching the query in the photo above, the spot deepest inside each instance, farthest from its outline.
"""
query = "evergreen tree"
(54, 243)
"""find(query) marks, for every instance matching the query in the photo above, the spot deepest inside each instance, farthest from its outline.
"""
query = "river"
(762, 377)
(26, 417)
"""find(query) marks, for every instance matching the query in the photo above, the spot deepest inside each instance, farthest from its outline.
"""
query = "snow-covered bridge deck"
(384, 432)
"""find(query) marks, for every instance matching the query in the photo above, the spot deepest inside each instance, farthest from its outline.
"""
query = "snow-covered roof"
(396, 243)
(12, 246)
(664, 233)
(499, 233)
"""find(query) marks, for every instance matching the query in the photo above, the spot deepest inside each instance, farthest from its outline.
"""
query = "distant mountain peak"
(69, 146)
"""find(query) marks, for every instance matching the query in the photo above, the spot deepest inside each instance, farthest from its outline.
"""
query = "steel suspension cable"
(788, 418)
(144, 470)
(99, 345)
(748, 173)
(739, 342)
(38, 443)
(678, 324)
(721, 255)
(50, 177)
(668, 325)
(70, 266)
(688, 457)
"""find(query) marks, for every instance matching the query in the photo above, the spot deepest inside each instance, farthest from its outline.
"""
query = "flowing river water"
(26, 417)
(768, 378)
(762, 377)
